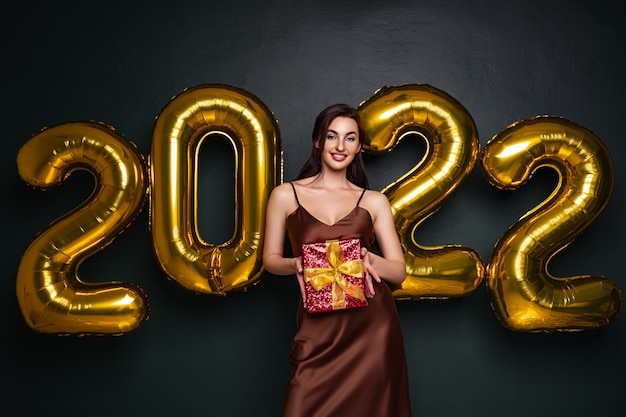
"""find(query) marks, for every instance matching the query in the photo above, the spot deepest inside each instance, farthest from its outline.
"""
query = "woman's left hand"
(369, 273)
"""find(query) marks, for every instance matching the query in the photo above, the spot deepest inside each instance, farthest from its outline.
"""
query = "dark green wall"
(121, 62)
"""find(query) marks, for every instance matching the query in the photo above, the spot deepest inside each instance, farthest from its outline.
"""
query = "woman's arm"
(275, 229)
(279, 205)
(390, 266)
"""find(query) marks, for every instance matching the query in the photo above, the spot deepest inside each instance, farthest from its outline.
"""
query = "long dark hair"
(356, 170)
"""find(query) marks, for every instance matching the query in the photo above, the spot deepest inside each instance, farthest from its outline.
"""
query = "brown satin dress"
(347, 362)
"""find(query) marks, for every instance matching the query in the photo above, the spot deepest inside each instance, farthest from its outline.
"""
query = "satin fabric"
(346, 362)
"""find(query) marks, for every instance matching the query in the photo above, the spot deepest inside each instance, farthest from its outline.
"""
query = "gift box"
(334, 275)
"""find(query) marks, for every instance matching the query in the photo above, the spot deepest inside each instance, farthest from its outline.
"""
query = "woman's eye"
(350, 138)
(330, 136)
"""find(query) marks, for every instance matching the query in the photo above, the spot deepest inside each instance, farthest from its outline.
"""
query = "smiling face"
(341, 143)
(333, 120)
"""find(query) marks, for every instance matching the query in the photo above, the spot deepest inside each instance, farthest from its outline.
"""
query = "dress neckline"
(300, 207)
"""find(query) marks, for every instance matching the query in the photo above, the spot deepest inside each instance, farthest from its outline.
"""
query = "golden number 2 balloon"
(181, 128)
(451, 154)
(524, 295)
(51, 297)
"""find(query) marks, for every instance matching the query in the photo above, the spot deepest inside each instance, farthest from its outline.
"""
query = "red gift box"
(334, 275)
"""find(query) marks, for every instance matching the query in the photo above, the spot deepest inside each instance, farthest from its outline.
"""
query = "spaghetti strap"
(295, 194)
(357, 203)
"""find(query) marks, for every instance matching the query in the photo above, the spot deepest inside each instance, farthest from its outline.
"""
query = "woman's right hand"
(300, 278)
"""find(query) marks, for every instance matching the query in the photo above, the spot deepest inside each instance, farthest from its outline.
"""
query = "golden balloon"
(51, 296)
(183, 126)
(392, 114)
(523, 294)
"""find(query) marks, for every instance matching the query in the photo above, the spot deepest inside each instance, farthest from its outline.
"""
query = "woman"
(345, 362)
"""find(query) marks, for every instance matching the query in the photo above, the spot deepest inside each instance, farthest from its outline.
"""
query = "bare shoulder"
(282, 194)
(375, 199)
(282, 200)
(376, 203)
(283, 188)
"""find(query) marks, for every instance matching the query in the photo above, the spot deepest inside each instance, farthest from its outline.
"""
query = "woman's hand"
(300, 278)
(369, 273)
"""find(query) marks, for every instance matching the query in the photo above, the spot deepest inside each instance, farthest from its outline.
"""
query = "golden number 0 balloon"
(524, 296)
(451, 154)
(181, 127)
(51, 296)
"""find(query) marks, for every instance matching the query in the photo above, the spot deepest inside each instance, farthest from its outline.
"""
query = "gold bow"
(333, 274)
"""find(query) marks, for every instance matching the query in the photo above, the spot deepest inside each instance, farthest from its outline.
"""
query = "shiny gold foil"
(51, 296)
(452, 151)
(181, 128)
(523, 293)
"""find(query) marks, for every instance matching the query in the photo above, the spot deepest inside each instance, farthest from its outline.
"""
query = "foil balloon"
(187, 122)
(51, 296)
(392, 114)
(523, 293)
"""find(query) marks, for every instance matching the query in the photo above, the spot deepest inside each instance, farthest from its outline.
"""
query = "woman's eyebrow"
(347, 133)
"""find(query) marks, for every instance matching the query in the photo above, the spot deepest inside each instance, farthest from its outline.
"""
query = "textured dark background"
(121, 62)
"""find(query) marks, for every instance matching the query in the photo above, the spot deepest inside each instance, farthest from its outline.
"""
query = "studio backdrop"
(141, 141)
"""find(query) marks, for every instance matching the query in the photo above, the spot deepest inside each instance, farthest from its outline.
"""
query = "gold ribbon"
(333, 274)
